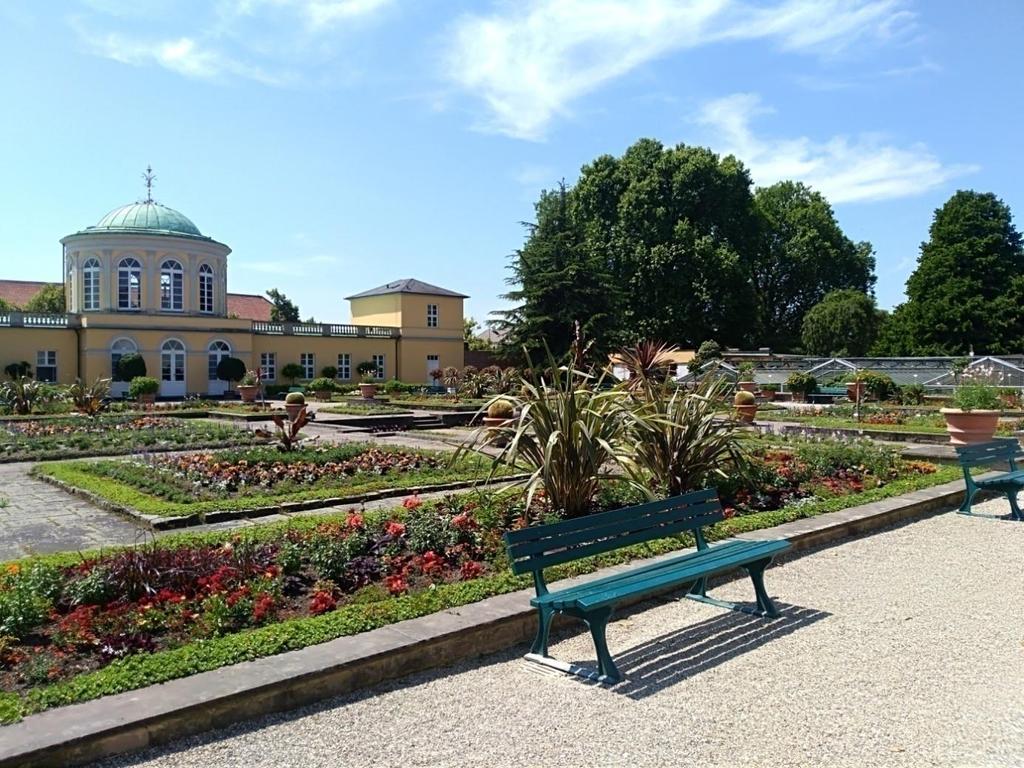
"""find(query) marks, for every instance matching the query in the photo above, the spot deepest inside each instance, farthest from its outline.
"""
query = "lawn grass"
(356, 409)
(141, 670)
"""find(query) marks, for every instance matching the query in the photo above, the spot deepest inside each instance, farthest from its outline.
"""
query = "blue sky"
(339, 144)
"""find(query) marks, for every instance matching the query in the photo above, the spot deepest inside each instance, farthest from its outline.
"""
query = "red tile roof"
(242, 305)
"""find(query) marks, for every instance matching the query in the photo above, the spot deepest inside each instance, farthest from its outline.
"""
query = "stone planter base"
(970, 427)
(746, 413)
(294, 410)
(368, 391)
(248, 393)
(747, 386)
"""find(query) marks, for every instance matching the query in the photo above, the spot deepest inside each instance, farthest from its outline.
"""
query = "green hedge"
(147, 669)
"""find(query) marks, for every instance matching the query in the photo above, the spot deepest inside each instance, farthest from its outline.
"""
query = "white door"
(217, 352)
(172, 369)
(433, 363)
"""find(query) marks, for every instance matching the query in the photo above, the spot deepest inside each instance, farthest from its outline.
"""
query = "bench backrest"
(1001, 449)
(835, 391)
(539, 547)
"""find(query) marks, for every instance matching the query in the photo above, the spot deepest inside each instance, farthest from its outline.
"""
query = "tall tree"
(802, 255)
(48, 300)
(967, 291)
(558, 281)
(845, 322)
(284, 310)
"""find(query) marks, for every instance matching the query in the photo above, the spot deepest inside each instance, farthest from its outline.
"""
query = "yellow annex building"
(146, 280)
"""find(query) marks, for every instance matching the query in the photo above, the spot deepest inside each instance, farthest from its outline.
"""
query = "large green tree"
(802, 255)
(845, 322)
(48, 300)
(284, 309)
(967, 291)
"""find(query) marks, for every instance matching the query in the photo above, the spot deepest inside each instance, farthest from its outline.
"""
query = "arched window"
(218, 351)
(91, 285)
(119, 349)
(172, 294)
(172, 362)
(205, 288)
(129, 284)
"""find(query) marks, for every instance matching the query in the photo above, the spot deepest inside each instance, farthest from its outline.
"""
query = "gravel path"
(905, 648)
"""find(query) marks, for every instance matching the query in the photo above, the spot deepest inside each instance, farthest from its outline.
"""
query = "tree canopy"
(48, 300)
(967, 292)
(284, 310)
(845, 322)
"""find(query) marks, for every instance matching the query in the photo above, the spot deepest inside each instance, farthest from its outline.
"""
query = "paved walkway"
(899, 649)
(40, 518)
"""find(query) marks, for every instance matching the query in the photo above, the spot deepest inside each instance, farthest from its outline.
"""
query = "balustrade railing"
(35, 320)
(323, 329)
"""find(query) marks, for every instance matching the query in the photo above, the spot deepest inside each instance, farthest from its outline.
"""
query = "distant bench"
(531, 550)
(1011, 482)
(827, 394)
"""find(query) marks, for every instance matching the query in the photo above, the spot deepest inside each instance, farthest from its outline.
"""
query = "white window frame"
(344, 366)
(172, 286)
(379, 361)
(308, 362)
(128, 270)
(170, 352)
(268, 366)
(206, 289)
(432, 315)
(91, 285)
(46, 359)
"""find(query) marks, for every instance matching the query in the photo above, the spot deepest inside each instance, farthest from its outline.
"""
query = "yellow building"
(145, 280)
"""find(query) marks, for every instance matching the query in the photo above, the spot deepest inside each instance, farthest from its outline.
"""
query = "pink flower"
(393, 528)
(412, 502)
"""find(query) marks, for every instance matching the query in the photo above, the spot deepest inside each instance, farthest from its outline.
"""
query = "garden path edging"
(81, 733)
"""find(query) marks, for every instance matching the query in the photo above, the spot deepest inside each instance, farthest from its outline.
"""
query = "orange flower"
(412, 502)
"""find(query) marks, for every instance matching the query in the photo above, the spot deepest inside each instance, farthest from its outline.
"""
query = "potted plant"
(144, 389)
(746, 378)
(768, 391)
(249, 386)
(801, 384)
(294, 403)
(746, 406)
(329, 372)
(499, 414)
(367, 371)
(975, 412)
(855, 386)
(322, 388)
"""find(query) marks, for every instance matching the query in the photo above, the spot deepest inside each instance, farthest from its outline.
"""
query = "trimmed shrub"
(295, 398)
(130, 367)
(143, 385)
(230, 369)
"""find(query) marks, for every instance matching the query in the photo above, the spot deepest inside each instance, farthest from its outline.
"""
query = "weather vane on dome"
(149, 178)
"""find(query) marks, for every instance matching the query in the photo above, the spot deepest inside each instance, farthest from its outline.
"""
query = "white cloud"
(531, 61)
(845, 169)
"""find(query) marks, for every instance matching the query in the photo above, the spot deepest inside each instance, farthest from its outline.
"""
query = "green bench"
(1011, 482)
(531, 550)
(827, 394)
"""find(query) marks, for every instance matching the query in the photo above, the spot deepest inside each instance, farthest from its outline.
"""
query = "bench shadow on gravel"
(677, 656)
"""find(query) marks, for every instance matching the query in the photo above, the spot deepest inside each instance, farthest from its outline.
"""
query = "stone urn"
(367, 391)
(248, 392)
(970, 427)
(746, 413)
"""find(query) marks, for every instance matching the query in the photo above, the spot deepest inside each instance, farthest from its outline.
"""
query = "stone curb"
(126, 722)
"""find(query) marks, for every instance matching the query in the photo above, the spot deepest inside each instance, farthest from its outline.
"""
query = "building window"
(46, 365)
(205, 288)
(218, 350)
(129, 284)
(308, 362)
(172, 361)
(91, 285)
(345, 366)
(172, 294)
(431, 315)
(378, 360)
(268, 366)
(119, 349)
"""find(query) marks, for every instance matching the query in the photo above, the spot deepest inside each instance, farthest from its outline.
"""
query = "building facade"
(145, 280)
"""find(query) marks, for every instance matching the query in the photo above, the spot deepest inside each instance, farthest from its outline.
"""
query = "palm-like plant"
(567, 435)
(22, 395)
(649, 365)
(681, 443)
(89, 399)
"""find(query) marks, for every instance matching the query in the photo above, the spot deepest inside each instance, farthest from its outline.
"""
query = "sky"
(336, 145)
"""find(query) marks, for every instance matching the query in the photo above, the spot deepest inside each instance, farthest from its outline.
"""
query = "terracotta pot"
(248, 392)
(855, 389)
(970, 427)
(147, 399)
(768, 395)
(747, 386)
(746, 413)
(490, 424)
(294, 409)
(367, 391)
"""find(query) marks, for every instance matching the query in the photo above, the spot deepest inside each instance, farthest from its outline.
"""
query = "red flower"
(412, 502)
(354, 520)
(395, 529)
(463, 522)
(728, 512)
(396, 585)
(322, 602)
(471, 569)
(263, 607)
(432, 563)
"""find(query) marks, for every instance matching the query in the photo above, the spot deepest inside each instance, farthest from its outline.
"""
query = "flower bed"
(197, 484)
(35, 439)
(357, 409)
(925, 421)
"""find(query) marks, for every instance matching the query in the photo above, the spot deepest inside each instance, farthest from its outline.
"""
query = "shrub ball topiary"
(744, 398)
(500, 409)
(143, 385)
(230, 369)
(130, 367)
(321, 384)
(329, 372)
(295, 398)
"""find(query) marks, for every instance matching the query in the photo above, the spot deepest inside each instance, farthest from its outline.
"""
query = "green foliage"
(230, 369)
(967, 292)
(129, 367)
(292, 371)
(802, 256)
(745, 372)
(17, 371)
(283, 311)
(295, 398)
(976, 396)
(24, 395)
(143, 385)
(48, 300)
(329, 372)
(878, 385)
(845, 322)
(89, 399)
(321, 384)
(707, 351)
(801, 382)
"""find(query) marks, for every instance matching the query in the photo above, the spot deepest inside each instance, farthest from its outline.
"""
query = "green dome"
(147, 217)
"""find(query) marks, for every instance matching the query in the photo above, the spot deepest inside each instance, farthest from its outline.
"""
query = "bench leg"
(598, 623)
(1015, 513)
(699, 588)
(540, 643)
(756, 571)
(965, 508)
